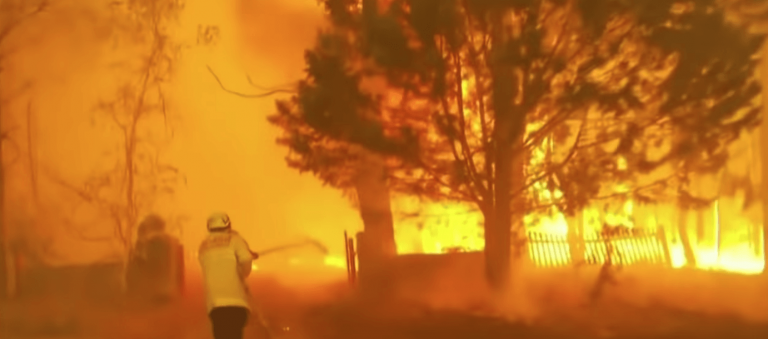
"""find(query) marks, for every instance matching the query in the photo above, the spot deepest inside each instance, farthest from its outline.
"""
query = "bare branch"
(84, 196)
(17, 93)
(262, 88)
(11, 26)
(6, 137)
(558, 40)
(470, 163)
(248, 96)
(163, 108)
(462, 157)
(31, 156)
(79, 192)
(81, 234)
(552, 169)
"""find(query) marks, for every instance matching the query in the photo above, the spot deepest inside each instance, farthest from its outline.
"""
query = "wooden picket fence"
(631, 247)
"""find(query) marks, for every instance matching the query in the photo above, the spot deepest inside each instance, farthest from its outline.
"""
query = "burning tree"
(522, 107)
(129, 189)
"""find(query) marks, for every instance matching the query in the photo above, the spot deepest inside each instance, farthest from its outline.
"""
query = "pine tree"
(356, 170)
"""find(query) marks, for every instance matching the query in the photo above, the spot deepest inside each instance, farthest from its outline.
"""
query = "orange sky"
(228, 149)
(222, 143)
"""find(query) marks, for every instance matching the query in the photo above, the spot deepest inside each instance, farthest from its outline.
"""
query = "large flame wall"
(727, 235)
(729, 242)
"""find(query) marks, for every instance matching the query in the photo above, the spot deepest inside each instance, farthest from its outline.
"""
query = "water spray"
(282, 248)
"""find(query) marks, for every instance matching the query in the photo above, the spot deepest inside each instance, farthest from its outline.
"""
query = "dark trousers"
(228, 322)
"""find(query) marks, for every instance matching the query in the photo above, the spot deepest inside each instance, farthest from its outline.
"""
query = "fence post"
(531, 248)
(576, 247)
(346, 257)
(661, 233)
(352, 261)
(181, 278)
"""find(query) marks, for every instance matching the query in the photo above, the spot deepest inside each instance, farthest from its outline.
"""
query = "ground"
(329, 309)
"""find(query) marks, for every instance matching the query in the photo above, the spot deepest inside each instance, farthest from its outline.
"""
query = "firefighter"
(226, 261)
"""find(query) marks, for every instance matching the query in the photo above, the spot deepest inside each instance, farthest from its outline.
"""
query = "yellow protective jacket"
(226, 261)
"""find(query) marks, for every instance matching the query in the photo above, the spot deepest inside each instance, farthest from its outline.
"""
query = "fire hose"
(282, 248)
(268, 330)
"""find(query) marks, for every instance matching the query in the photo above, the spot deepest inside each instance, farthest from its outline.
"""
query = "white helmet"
(218, 221)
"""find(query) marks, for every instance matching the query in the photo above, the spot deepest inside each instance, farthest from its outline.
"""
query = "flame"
(729, 248)
(452, 228)
(734, 245)
(437, 228)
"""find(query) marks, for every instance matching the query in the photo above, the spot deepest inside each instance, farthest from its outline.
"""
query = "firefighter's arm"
(244, 256)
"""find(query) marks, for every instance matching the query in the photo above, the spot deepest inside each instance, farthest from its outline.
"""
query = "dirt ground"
(330, 310)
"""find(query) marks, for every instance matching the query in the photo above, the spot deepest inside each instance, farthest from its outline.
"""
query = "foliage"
(750, 12)
(321, 143)
(607, 82)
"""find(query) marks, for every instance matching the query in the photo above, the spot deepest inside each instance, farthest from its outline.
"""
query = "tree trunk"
(505, 233)
(377, 241)
(685, 239)
(498, 222)
(375, 206)
(6, 258)
(498, 218)
(518, 232)
(7, 272)
(509, 127)
(764, 164)
(701, 231)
